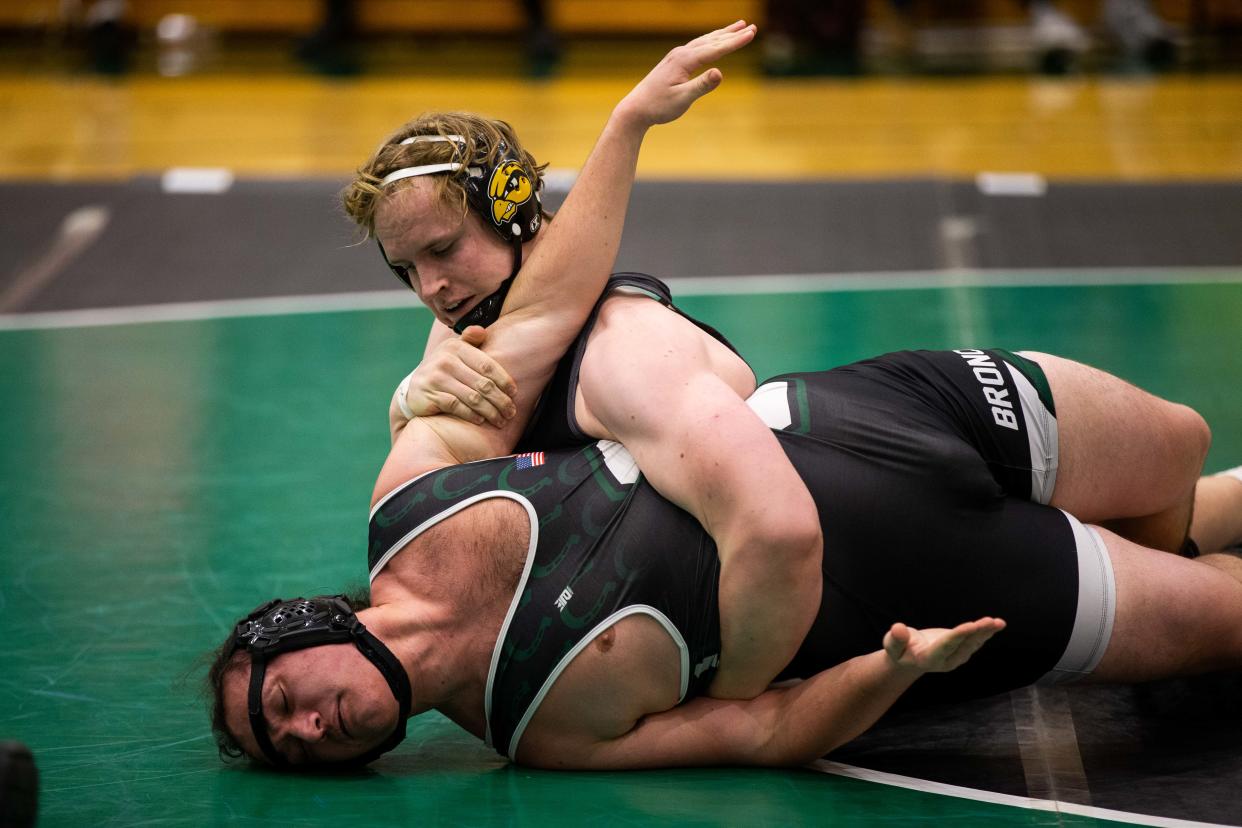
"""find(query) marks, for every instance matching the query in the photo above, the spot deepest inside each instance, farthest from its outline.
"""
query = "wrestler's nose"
(308, 726)
(431, 280)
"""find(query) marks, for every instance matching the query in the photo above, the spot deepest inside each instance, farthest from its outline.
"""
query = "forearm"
(794, 725)
(829, 709)
(568, 269)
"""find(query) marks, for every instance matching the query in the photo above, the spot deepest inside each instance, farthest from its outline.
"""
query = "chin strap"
(254, 707)
(488, 310)
(398, 682)
(379, 655)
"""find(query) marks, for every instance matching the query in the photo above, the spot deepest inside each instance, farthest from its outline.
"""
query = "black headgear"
(504, 195)
(282, 626)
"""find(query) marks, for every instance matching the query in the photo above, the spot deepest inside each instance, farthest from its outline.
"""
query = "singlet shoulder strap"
(554, 422)
(659, 291)
(422, 502)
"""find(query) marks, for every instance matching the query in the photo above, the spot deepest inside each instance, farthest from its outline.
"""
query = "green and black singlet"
(603, 546)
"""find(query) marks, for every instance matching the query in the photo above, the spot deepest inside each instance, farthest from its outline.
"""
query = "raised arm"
(786, 726)
(584, 238)
(558, 285)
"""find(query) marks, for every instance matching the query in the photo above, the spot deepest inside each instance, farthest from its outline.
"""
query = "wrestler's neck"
(445, 658)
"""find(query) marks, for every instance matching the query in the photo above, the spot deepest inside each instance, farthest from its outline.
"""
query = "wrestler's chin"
(368, 721)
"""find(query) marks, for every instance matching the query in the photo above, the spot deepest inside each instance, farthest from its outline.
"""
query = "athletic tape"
(403, 388)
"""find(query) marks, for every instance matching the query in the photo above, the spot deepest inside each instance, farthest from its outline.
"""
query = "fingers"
(462, 381)
(483, 397)
(991, 625)
(490, 397)
(711, 48)
(674, 84)
(897, 641)
(486, 376)
(967, 639)
(972, 635)
(735, 26)
(709, 80)
(479, 374)
(480, 363)
(465, 403)
(939, 650)
(717, 44)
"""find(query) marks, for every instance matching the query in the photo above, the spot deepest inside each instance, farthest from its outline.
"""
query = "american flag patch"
(529, 460)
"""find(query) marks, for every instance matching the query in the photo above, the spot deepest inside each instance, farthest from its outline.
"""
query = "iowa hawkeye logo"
(509, 189)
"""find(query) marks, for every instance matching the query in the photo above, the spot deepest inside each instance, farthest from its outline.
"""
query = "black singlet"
(919, 526)
(554, 424)
(603, 545)
(924, 505)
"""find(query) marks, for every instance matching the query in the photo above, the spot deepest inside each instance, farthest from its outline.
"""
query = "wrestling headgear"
(282, 626)
(503, 194)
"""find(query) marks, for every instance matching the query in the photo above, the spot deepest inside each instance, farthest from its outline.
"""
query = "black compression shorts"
(924, 470)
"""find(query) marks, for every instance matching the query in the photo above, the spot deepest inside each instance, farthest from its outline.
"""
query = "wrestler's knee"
(1194, 436)
(1200, 433)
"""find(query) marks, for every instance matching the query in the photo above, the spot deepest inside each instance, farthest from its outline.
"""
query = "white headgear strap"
(426, 169)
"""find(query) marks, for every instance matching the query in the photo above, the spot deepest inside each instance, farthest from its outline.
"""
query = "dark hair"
(224, 660)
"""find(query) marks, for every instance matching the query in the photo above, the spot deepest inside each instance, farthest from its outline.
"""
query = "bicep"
(428, 443)
(652, 387)
(704, 449)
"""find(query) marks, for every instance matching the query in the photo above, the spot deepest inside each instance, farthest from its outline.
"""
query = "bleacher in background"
(567, 16)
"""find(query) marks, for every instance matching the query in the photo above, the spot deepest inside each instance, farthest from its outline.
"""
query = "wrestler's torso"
(949, 544)
(599, 597)
(628, 671)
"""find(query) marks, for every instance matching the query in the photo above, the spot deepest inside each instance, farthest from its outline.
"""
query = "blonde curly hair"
(362, 196)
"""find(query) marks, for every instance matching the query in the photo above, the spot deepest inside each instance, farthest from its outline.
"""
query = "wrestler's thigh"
(1123, 452)
(1174, 616)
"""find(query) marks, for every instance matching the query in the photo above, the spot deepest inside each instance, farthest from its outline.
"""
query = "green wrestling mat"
(159, 479)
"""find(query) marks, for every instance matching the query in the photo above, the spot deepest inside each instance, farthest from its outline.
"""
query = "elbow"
(794, 534)
(797, 750)
(810, 535)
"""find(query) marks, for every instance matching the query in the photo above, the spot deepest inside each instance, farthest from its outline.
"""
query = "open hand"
(674, 84)
(936, 650)
(460, 380)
